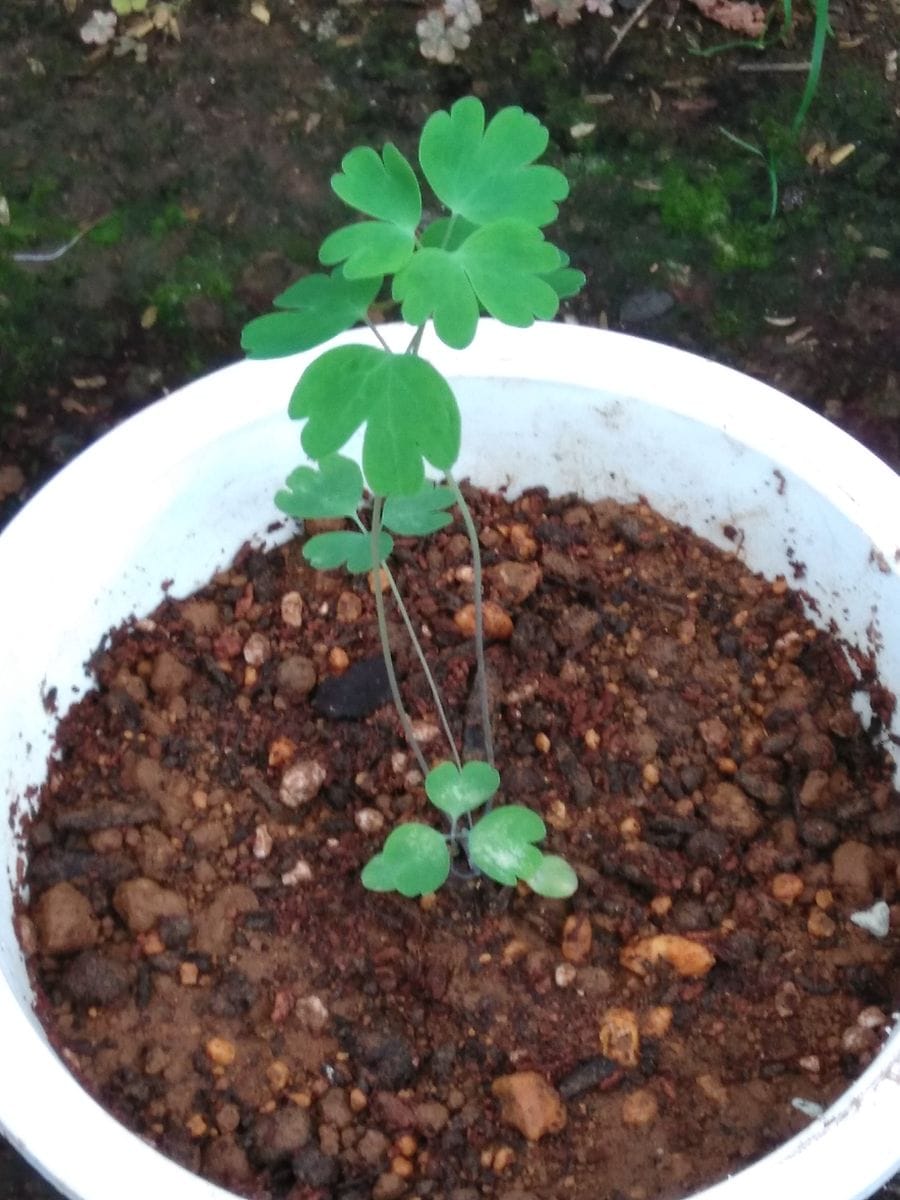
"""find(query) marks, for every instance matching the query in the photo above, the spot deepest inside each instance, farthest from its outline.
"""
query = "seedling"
(485, 253)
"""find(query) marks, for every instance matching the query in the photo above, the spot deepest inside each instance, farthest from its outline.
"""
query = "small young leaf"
(500, 843)
(344, 547)
(333, 489)
(407, 406)
(504, 262)
(456, 791)
(484, 174)
(384, 187)
(418, 515)
(554, 878)
(414, 861)
(322, 307)
(368, 248)
(566, 281)
(434, 284)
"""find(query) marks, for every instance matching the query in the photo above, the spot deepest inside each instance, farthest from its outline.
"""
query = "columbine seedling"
(487, 253)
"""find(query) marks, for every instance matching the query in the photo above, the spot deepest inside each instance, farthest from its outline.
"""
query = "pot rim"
(860, 1150)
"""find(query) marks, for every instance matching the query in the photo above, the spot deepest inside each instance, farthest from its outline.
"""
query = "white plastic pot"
(172, 493)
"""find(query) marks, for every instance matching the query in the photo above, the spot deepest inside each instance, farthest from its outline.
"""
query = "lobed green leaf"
(484, 174)
(384, 187)
(414, 861)
(566, 281)
(418, 515)
(500, 843)
(456, 791)
(368, 248)
(434, 284)
(321, 306)
(407, 407)
(504, 262)
(345, 548)
(333, 489)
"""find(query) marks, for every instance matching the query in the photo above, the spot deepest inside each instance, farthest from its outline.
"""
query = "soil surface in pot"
(211, 968)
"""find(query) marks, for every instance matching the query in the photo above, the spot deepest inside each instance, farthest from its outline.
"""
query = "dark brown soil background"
(206, 169)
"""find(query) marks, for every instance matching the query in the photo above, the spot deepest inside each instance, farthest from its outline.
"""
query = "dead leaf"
(740, 16)
(836, 157)
(780, 322)
(141, 28)
(4, 211)
(582, 128)
(89, 383)
(148, 317)
(260, 12)
(70, 405)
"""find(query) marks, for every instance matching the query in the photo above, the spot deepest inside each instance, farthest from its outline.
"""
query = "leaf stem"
(374, 537)
(420, 654)
(374, 328)
(481, 666)
(413, 347)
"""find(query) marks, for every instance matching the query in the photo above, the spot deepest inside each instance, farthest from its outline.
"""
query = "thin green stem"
(375, 536)
(423, 662)
(768, 161)
(420, 655)
(413, 347)
(374, 328)
(481, 665)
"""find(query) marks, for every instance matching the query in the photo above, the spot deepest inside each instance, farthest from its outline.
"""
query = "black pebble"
(358, 692)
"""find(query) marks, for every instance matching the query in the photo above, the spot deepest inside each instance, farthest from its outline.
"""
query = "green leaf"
(504, 262)
(406, 405)
(565, 280)
(500, 843)
(384, 187)
(487, 173)
(553, 878)
(414, 861)
(446, 233)
(434, 284)
(456, 791)
(333, 489)
(344, 547)
(423, 513)
(368, 248)
(504, 266)
(322, 306)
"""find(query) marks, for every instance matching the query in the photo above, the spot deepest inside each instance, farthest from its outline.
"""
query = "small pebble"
(809, 1108)
(301, 783)
(640, 1109)
(565, 975)
(820, 925)
(619, 1036)
(369, 820)
(221, 1051)
(529, 1103)
(292, 609)
(498, 624)
(875, 920)
(787, 888)
(687, 958)
(301, 872)
(257, 650)
(577, 938)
